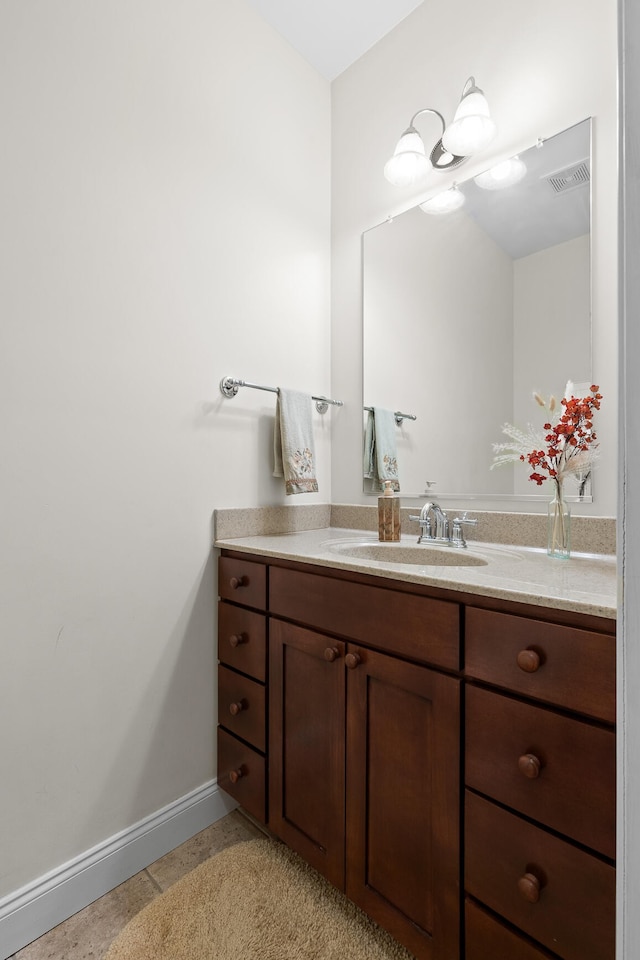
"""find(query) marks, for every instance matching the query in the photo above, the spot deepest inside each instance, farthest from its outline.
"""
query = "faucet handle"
(471, 521)
(457, 536)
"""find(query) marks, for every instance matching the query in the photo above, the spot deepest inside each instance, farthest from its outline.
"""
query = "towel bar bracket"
(229, 386)
(401, 417)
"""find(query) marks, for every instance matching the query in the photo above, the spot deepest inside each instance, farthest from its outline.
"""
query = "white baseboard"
(30, 912)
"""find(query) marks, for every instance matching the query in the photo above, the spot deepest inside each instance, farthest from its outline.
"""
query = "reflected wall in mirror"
(465, 314)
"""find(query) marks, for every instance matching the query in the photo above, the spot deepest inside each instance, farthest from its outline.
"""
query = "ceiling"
(332, 34)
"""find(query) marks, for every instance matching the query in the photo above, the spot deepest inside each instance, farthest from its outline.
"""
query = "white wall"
(164, 221)
(543, 68)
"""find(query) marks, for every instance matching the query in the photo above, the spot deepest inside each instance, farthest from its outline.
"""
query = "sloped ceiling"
(332, 34)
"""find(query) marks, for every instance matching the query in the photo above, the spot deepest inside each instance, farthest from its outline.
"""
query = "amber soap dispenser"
(388, 514)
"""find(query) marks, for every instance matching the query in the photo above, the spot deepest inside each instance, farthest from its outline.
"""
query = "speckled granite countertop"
(587, 583)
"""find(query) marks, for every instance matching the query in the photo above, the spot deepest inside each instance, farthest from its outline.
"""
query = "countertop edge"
(406, 574)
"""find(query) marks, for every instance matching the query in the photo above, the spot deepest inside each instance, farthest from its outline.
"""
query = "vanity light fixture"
(470, 131)
(504, 174)
(444, 202)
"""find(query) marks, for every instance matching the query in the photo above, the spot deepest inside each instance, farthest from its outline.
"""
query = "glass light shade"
(445, 202)
(503, 175)
(472, 128)
(408, 165)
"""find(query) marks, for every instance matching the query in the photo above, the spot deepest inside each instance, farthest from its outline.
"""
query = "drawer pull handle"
(331, 654)
(236, 708)
(529, 887)
(352, 660)
(528, 660)
(529, 765)
(236, 582)
(237, 638)
(236, 775)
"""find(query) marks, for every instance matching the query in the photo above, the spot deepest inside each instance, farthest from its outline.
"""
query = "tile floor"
(88, 934)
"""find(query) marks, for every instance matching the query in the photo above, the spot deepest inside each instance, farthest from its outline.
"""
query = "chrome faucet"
(440, 520)
(435, 526)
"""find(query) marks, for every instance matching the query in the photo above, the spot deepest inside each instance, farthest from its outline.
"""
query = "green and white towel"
(380, 461)
(293, 449)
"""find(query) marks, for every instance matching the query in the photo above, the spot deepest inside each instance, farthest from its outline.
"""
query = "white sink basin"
(418, 554)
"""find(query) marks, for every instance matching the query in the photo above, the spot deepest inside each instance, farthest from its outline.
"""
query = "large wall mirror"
(467, 313)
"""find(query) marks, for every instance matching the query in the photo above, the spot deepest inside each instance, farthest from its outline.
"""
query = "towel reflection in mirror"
(380, 461)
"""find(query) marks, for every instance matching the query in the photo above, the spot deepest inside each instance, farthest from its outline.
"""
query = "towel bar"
(399, 417)
(230, 386)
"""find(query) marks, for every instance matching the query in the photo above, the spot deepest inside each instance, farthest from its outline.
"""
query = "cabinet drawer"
(554, 769)
(417, 627)
(242, 640)
(563, 665)
(241, 774)
(241, 706)
(487, 939)
(243, 581)
(574, 915)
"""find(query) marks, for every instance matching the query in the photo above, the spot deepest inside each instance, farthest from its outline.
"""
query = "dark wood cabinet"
(446, 760)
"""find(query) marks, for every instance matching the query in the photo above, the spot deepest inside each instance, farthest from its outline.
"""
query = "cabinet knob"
(528, 660)
(331, 654)
(236, 582)
(236, 708)
(352, 660)
(529, 765)
(529, 887)
(236, 775)
(237, 638)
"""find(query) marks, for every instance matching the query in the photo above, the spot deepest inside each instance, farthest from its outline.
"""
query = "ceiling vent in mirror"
(570, 177)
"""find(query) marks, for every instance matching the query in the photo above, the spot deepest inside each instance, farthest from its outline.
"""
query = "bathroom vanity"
(440, 747)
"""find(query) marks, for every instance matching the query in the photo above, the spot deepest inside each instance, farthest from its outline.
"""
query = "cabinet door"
(306, 745)
(403, 802)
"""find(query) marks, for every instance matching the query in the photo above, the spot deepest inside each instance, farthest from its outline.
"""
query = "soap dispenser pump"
(388, 514)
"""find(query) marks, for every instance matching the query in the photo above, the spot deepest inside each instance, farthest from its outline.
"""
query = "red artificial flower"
(573, 434)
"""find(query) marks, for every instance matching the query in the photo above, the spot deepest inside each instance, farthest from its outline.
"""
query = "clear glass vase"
(559, 526)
